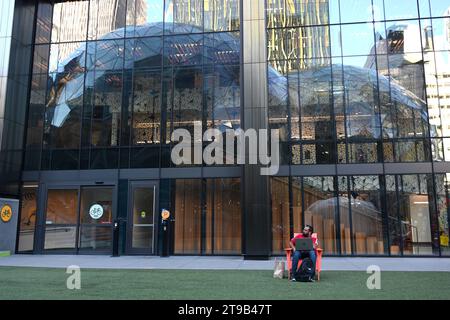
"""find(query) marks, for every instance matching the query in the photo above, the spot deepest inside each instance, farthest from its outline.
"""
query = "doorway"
(142, 208)
(78, 220)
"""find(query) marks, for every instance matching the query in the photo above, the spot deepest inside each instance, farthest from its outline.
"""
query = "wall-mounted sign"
(6, 213)
(165, 214)
(96, 211)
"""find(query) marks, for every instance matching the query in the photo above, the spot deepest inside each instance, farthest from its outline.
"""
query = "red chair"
(319, 253)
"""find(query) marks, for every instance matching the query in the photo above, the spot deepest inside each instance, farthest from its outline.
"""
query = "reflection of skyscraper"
(188, 11)
(406, 65)
(217, 15)
(447, 27)
(404, 62)
(437, 77)
(221, 15)
(71, 21)
(289, 45)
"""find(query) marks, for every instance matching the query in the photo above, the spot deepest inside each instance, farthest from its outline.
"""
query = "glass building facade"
(358, 89)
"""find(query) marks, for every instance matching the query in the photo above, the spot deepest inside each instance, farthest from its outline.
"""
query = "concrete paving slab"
(218, 263)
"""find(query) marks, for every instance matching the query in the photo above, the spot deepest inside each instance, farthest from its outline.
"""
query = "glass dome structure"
(73, 76)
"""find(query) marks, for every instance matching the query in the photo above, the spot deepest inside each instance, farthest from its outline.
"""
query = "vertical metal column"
(256, 205)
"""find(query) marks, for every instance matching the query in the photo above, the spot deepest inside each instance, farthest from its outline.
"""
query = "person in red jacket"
(307, 233)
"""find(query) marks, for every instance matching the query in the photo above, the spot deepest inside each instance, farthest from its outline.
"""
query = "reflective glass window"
(396, 10)
(367, 218)
(221, 15)
(356, 10)
(44, 23)
(28, 212)
(439, 8)
(357, 39)
(107, 19)
(96, 214)
(61, 219)
(442, 194)
(184, 16)
(70, 21)
(281, 233)
(144, 13)
(345, 226)
(188, 217)
(410, 217)
(321, 208)
(223, 216)
(147, 107)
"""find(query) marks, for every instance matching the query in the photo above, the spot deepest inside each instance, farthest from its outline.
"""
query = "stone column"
(256, 203)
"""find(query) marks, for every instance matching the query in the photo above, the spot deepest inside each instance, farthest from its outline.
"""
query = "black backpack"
(305, 272)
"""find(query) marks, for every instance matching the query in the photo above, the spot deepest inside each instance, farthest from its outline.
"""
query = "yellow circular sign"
(165, 214)
(6, 213)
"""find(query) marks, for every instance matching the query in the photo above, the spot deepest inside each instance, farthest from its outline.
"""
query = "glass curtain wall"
(96, 232)
(412, 218)
(223, 217)
(61, 220)
(208, 217)
(279, 189)
(79, 220)
(362, 82)
(113, 79)
(443, 209)
(363, 215)
(359, 81)
(28, 212)
(188, 216)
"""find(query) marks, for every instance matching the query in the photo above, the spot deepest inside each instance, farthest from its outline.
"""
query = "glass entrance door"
(79, 220)
(141, 217)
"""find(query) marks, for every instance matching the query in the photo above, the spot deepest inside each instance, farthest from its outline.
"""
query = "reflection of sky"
(154, 10)
(358, 39)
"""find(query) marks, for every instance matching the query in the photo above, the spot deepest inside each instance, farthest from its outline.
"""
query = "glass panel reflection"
(27, 218)
(443, 210)
(367, 217)
(97, 239)
(409, 217)
(281, 233)
(143, 218)
(70, 21)
(406, 9)
(221, 15)
(105, 16)
(187, 217)
(62, 207)
(223, 217)
(61, 219)
(142, 237)
(96, 206)
(355, 10)
(321, 205)
(60, 237)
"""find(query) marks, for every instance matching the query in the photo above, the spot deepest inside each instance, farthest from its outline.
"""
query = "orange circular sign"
(6, 213)
(165, 214)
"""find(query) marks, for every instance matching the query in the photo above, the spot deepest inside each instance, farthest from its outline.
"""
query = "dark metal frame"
(132, 185)
(42, 209)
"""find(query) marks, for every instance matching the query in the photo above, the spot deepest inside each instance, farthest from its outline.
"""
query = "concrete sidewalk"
(217, 263)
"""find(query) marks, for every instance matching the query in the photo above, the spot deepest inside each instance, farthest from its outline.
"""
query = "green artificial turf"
(36, 283)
